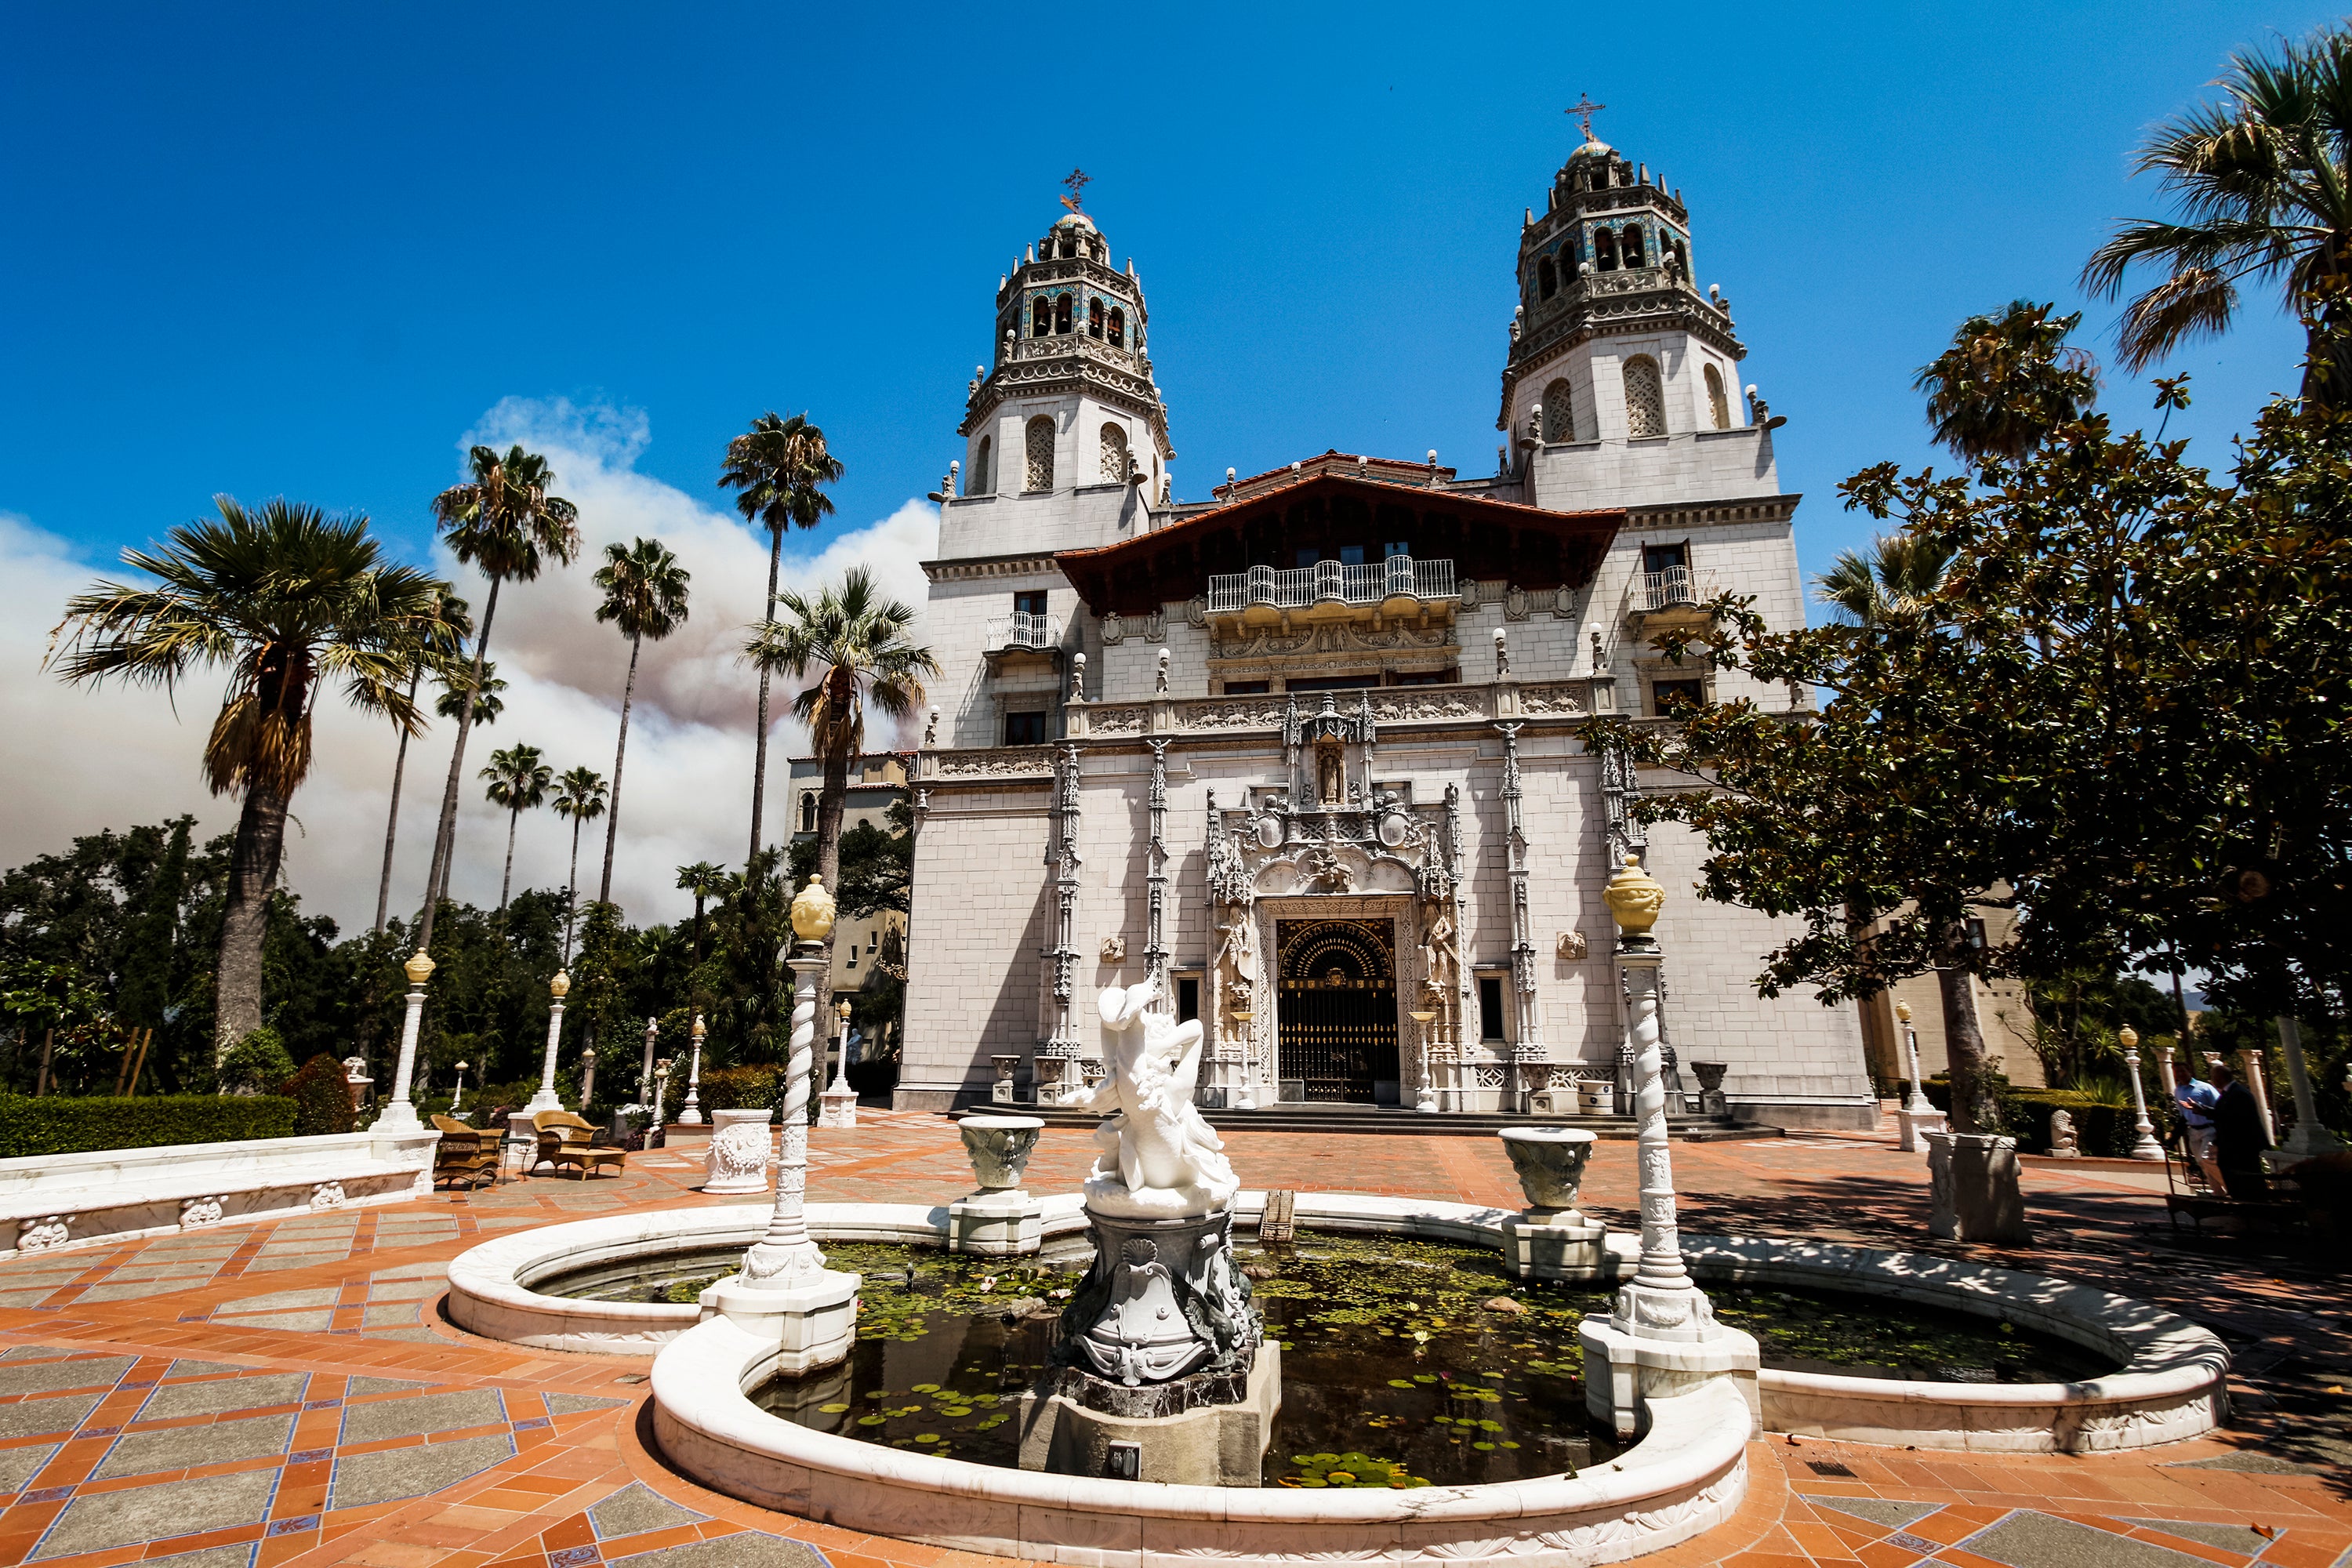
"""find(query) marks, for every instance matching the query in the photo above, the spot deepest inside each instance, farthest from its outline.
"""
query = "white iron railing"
(1672, 586)
(1022, 629)
(1399, 577)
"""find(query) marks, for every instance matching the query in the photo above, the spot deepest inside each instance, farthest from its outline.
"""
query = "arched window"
(1572, 264)
(1041, 452)
(1560, 413)
(980, 486)
(1118, 328)
(1069, 251)
(1546, 278)
(1114, 452)
(1094, 319)
(1061, 312)
(1645, 398)
(1041, 317)
(1716, 400)
(1632, 247)
(1605, 249)
(1681, 257)
(808, 811)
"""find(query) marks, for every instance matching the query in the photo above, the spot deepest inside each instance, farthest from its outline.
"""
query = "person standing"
(2195, 1099)
(2238, 1138)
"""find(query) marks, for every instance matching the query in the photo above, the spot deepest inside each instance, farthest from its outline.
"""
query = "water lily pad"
(833, 1409)
(926, 1436)
(924, 1389)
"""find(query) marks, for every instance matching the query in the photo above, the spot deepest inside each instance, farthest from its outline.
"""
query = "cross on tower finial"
(1077, 180)
(1584, 108)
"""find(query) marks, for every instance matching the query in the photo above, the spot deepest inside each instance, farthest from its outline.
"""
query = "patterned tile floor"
(290, 1393)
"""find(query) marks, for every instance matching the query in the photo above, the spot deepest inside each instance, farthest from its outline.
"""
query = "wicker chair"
(466, 1153)
(565, 1138)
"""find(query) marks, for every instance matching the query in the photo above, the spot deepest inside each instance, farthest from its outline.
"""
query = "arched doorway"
(1337, 1010)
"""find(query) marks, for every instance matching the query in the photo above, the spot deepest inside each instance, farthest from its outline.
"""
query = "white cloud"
(78, 761)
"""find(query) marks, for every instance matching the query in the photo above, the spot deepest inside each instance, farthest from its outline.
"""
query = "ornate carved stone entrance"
(1337, 1010)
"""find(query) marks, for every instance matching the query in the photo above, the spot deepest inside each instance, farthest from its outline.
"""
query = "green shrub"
(322, 1097)
(62, 1126)
(2101, 1129)
(256, 1063)
(737, 1088)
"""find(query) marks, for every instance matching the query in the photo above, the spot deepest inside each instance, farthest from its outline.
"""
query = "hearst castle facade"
(1306, 751)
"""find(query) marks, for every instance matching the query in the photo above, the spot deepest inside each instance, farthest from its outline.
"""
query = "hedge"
(322, 1096)
(56, 1125)
(2100, 1130)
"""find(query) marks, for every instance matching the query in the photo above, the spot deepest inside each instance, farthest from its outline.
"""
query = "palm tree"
(644, 595)
(779, 465)
(2262, 182)
(455, 676)
(705, 880)
(2007, 382)
(579, 795)
(461, 623)
(1891, 578)
(505, 524)
(285, 597)
(519, 781)
(855, 640)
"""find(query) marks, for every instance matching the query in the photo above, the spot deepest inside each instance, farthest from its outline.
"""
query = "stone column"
(1155, 870)
(2257, 1082)
(1529, 1060)
(400, 1116)
(1918, 1116)
(1661, 1338)
(645, 1074)
(2144, 1143)
(690, 1114)
(1059, 1079)
(2309, 1135)
(546, 1099)
(840, 1101)
(785, 1295)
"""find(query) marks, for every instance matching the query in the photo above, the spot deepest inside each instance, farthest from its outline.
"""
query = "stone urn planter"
(1599, 1097)
(741, 1149)
(1712, 1101)
(1000, 1219)
(1550, 1240)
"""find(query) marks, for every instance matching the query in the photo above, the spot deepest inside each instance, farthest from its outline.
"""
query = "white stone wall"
(983, 907)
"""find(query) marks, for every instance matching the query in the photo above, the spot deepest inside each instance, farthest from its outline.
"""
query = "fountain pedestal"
(1001, 1220)
(1552, 1239)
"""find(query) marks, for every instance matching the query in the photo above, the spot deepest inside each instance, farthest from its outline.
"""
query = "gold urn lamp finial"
(1903, 1011)
(419, 967)
(1634, 899)
(2127, 1037)
(560, 986)
(813, 911)
(698, 1026)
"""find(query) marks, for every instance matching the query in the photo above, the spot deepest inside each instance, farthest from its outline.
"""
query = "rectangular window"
(1188, 998)
(1674, 696)
(853, 956)
(1395, 547)
(1024, 729)
(1351, 556)
(1665, 557)
(1421, 678)
(1248, 687)
(1490, 1006)
(1307, 555)
(1333, 682)
(1029, 602)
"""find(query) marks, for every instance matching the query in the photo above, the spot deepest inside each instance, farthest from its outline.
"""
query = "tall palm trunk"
(760, 750)
(621, 751)
(444, 847)
(506, 883)
(830, 798)
(245, 921)
(1973, 1110)
(391, 818)
(698, 928)
(572, 894)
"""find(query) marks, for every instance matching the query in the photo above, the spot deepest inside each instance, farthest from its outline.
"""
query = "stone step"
(1407, 1122)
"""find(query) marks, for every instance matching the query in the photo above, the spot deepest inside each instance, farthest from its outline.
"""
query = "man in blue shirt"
(2196, 1099)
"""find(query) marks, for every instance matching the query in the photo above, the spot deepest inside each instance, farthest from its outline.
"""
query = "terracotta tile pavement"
(315, 1330)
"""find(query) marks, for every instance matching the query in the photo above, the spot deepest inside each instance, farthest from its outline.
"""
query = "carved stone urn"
(1635, 899)
(1711, 1101)
(1549, 1162)
(999, 1148)
(741, 1149)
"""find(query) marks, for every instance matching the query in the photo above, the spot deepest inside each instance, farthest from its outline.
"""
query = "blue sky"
(302, 249)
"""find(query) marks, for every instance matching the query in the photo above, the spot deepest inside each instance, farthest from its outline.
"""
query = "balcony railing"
(1673, 586)
(1022, 629)
(1399, 577)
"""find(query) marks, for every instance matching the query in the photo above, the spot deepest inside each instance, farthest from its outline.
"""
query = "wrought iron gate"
(1338, 1018)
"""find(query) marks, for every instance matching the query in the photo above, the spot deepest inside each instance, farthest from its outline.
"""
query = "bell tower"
(1069, 403)
(1613, 345)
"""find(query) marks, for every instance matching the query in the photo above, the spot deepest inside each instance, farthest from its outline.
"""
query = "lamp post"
(546, 1099)
(2144, 1143)
(840, 1100)
(587, 1079)
(458, 1099)
(661, 1099)
(645, 1074)
(787, 1256)
(1918, 1117)
(400, 1116)
(691, 1115)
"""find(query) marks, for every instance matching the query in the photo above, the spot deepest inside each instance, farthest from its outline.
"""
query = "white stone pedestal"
(812, 1324)
(1623, 1371)
(1917, 1125)
(1973, 1191)
(741, 1148)
(1216, 1444)
(840, 1107)
(1556, 1246)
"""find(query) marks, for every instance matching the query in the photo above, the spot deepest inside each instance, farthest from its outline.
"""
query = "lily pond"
(1405, 1363)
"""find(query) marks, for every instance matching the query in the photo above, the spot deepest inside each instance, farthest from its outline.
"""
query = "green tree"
(2007, 381)
(285, 597)
(517, 781)
(1893, 577)
(780, 467)
(579, 799)
(850, 643)
(705, 880)
(505, 524)
(644, 596)
(2262, 186)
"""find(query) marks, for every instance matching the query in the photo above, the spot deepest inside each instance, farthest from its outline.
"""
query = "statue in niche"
(1329, 787)
(1440, 960)
(1228, 877)
(1159, 1158)
(1238, 955)
(1320, 870)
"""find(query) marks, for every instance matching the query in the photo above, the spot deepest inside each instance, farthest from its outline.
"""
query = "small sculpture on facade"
(1439, 961)
(2062, 1142)
(1077, 677)
(1329, 787)
(1114, 950)
(1320, 870)
(1572, 946)
(1159, 682)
